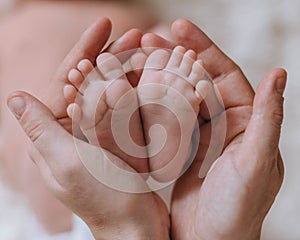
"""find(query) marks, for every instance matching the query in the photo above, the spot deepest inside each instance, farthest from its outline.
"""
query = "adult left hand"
(232, 201)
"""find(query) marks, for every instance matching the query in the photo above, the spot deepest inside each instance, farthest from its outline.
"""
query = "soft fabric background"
(258, 35)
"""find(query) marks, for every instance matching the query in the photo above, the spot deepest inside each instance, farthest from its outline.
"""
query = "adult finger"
(151, 42)
(56, 153)
(262, 135)
(71, 162)
(190, 36)
(124, 48)
(126, 44)
(88, 47)
(225, 74)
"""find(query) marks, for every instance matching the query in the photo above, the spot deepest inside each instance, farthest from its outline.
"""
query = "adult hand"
(110, 214)
(232, 201)
(91, 43)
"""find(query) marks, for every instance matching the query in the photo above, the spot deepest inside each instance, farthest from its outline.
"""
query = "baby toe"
(137, 61)
(75, 77)
(70, 93)
(176, 58)
(85, 66)
(202, 89)
(187, 63)
(74, 112)
(110, 67)
(197, 73)
(157, 60)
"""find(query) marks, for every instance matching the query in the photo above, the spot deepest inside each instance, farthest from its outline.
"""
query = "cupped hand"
(110, 214)
(232, 201)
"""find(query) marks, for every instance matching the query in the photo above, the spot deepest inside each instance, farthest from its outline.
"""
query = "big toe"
(110, 66)
(157, 60)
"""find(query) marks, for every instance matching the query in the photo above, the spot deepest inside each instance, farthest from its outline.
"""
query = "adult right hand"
(109, 213)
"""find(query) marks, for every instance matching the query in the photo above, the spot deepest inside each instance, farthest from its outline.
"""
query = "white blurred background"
(258, 35)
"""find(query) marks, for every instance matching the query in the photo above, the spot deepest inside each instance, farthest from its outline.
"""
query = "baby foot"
(170, 92)
(105, 106)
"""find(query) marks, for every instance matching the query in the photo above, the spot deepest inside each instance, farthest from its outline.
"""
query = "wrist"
(238, 235)
(135, 223)
(131, 232)
(237, 232)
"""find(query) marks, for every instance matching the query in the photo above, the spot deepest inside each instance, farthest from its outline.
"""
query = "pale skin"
(173, 83)
(74, 175)
(220, 204)
(247, 174)
(26, 33)
(99, 92)
(94, 96)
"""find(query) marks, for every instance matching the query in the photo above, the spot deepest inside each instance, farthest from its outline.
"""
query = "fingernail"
(280, 85)
(17, 106)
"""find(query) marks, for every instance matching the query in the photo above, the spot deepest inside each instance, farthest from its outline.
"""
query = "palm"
(103, 199)
(190, 191)
(216, 212)
(207, 195)
(201, 208)
(223, 203)
(89, 46)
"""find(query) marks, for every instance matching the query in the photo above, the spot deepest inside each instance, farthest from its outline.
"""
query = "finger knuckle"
(277, 117)
(35, 129)
(71, 174)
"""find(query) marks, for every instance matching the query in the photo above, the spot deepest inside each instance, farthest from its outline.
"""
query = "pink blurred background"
(258, 35)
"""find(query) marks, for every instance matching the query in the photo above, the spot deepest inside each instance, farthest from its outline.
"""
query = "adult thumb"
(262, 135)
(55, 146)
(66, 159)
